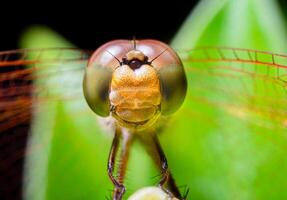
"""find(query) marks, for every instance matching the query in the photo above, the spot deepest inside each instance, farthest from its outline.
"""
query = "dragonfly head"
(136, 84)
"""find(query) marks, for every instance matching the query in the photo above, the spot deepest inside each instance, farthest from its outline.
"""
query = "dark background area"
(87, 25)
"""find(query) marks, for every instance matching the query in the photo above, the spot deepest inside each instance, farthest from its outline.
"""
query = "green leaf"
(224, 143)
(248, 24)
(228, 141)
(68, 148)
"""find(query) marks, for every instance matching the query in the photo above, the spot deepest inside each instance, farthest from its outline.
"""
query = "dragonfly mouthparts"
(140, 124)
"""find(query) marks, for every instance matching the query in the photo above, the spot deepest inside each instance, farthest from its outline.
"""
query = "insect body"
(137, 83)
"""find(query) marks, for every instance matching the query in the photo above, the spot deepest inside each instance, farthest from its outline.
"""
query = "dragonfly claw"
(119, 192)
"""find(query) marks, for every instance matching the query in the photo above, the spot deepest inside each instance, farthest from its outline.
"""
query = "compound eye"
(171, 73)
(98, 75)
(96, 89)
(173, 88)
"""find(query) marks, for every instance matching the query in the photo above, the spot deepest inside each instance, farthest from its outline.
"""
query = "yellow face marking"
(135, 94)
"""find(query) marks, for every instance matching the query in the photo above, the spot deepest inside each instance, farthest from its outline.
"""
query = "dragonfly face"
(135, 81)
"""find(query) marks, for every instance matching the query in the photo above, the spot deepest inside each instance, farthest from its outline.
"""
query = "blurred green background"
(221, 150)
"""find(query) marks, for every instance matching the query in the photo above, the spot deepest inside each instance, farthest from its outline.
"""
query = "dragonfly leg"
(174, 189)
(152, 145)
(167, 177)
(119, 181)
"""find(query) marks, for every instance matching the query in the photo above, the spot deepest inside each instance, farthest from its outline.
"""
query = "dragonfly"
(248, 85)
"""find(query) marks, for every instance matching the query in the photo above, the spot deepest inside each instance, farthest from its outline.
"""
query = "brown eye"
(171, 73)
(98, 75)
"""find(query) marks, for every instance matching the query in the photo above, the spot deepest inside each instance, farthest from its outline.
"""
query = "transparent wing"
(248, 84)
(240, 81)
(29, 80)
(28, 77)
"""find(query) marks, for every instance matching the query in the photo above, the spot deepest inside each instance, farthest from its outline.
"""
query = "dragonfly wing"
(30, 80)
(247, 84)
(64, 135)
(232, 125)
(31, 77)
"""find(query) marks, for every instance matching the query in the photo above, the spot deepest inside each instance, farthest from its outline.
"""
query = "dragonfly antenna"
(158, 55)
(114, 57)
(134, 42)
